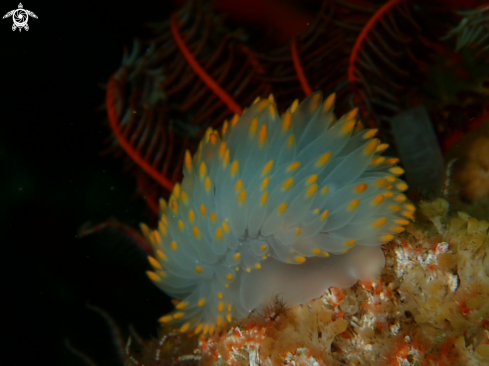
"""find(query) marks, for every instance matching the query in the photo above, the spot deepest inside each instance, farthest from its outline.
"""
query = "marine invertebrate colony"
(427, 308)
(286, 206)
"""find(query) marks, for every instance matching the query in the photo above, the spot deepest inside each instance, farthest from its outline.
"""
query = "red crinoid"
(193, 75)
(199, 70)
(382, 55)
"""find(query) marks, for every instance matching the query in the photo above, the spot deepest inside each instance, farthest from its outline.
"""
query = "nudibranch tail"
(275, 205)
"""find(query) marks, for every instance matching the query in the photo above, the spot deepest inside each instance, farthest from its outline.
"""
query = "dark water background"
(53, 180)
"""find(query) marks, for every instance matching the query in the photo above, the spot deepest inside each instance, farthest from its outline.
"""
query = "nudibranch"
(275, 206)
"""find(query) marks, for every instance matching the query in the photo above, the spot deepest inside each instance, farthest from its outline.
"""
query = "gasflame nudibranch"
(275, 206)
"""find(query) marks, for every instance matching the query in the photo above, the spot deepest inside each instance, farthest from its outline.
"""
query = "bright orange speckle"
(282, 208)
(234, 168)
(311, 190)
(329, 102)
(202, 170)
(220, 306)
(377, 160)
(153, 276)
(294, 105)
(299, 259)
(324, 215)
(397, 170)
(286, 121)
(288, 184)
(253, 127)
(386, 238)
(165, 319)
(379, 222)
(196, 232)
(178, 315)
(323, 159)
(378, 199)
(266, 169)
(262, 135)
(242, 197)
(397, 229)
(371, 146)
(353, 204)
(370, 133)
(191, 216)
(154, 263)
(181, 305)
(184, 327)
(218, 233)
(394, 207)
(361, 188)
(293, 166)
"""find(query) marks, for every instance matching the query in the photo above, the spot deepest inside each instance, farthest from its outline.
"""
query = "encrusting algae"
(428, 307)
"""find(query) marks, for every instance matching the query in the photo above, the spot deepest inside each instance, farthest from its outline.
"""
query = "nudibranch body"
(275, 206)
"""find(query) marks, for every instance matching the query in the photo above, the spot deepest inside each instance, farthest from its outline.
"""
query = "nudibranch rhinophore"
(275, 206)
